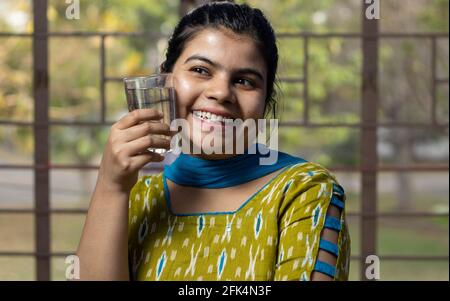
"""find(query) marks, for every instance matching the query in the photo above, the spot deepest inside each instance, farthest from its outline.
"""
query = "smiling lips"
(214, 118)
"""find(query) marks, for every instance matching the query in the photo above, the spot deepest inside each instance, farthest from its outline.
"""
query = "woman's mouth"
(213, 119)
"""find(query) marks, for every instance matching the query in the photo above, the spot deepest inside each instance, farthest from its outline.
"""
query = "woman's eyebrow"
(202, 58)
(217, 65)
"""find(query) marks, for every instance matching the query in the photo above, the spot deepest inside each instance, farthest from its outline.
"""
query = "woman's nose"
(221, 90)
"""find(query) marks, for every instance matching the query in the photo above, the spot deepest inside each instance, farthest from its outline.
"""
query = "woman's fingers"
(141, 145)
(146, 128)
(137, 116)
(126, 150)
(146, 157)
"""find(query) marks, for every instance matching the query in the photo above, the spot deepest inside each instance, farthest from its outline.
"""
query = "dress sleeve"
(313, 241)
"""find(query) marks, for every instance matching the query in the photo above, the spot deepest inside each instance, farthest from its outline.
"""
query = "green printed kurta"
(274, 235)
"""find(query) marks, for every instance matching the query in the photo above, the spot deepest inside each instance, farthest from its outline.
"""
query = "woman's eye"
(245, 82)
(199, 70)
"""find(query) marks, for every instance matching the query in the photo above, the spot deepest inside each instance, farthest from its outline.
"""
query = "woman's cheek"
(254, 109)
(186, 92)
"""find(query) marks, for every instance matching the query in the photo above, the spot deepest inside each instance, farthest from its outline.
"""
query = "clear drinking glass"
(155, 91)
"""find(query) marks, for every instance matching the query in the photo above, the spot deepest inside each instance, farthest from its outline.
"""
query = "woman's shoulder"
(308, 173)
(308, 180)
(145, 199)
(148, 188)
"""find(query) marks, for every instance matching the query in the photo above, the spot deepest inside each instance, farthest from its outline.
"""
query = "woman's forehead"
(224, 46)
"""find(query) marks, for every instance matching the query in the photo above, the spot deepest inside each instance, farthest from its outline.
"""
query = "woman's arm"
(325, 256)
(103, 248)
(314, 242)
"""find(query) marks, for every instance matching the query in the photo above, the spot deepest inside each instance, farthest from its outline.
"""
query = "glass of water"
(156, 92)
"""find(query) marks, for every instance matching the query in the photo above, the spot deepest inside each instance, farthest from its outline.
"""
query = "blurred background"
(366, 98)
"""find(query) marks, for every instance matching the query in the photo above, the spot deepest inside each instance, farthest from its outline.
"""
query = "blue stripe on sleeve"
(338, 189)
(332, 223)
(337, 202)
(328, 246)
(325, 268)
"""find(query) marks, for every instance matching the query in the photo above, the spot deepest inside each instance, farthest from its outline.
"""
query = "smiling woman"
(212, 80)
(214, 216)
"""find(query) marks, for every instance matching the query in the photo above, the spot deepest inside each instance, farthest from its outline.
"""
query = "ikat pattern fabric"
(274, 235)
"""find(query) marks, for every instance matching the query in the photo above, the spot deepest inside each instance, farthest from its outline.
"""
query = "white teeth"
(215, 117)
(212, 117)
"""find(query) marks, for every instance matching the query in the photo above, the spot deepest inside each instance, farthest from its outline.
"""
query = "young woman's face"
(222, 73)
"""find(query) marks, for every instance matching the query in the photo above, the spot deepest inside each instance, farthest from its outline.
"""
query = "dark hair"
(241, 19)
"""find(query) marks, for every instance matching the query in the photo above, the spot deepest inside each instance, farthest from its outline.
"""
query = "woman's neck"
(223, 154)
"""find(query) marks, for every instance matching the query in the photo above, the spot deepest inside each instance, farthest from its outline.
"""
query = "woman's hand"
(126, 151)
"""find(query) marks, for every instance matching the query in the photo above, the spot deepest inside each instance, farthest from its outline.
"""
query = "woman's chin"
(213, 156)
